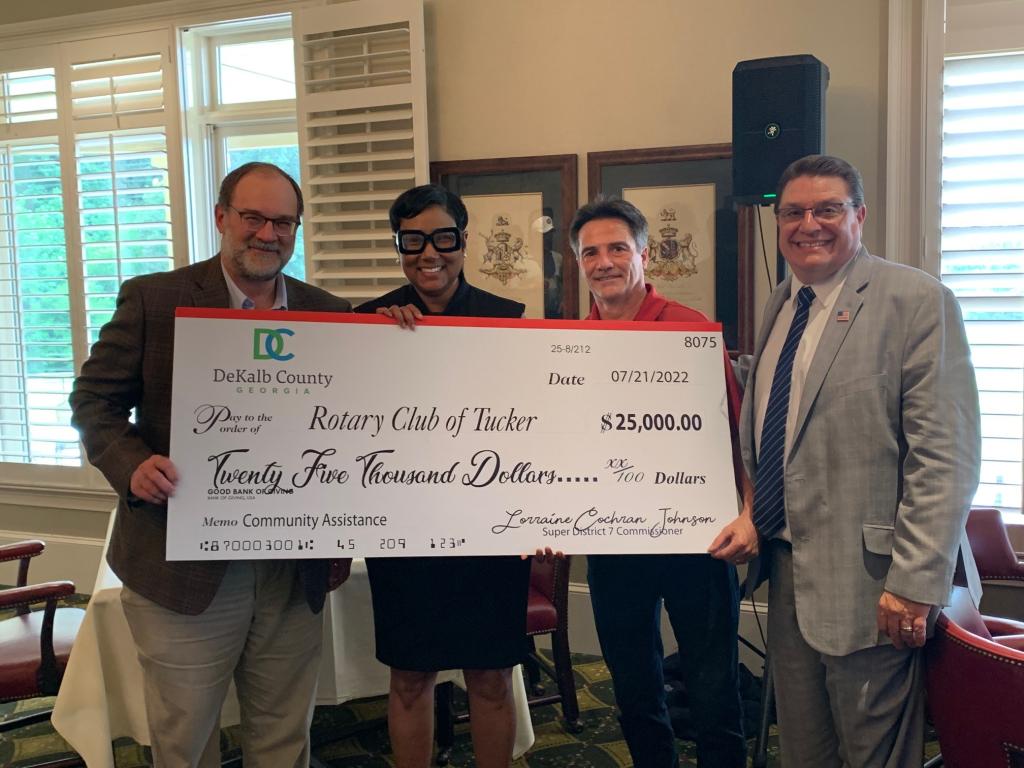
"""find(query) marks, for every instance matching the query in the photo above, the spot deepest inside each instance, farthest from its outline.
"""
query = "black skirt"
(434, 613)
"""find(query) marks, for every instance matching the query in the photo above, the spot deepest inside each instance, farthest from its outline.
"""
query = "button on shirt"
(825, 295)
(240, 301)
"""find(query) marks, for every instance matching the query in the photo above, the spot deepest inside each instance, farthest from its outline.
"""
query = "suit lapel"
(209, 289)
(297, 294)
(833, 336)
(779, 297)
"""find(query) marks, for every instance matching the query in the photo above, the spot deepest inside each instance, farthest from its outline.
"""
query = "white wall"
(74, 537)
(540, 77)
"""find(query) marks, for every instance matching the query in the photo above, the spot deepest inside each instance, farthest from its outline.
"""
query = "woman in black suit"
(435, 613)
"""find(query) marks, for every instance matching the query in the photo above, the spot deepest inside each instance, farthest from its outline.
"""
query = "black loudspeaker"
(778, 116)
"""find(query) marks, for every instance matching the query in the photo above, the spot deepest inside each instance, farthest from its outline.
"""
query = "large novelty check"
(325, 435)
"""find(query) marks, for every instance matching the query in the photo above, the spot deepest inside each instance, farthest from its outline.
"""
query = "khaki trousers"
(258, 630)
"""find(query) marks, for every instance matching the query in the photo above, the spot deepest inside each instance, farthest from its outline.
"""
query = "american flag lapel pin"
(843, 316)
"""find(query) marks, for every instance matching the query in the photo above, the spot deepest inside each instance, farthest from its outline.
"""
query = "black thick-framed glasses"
(829, 211)
(254, 221)
(411, 242)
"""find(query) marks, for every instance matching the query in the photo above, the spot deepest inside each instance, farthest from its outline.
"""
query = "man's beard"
(259, 268)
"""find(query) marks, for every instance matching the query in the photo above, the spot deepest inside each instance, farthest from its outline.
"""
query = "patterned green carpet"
(354, 735)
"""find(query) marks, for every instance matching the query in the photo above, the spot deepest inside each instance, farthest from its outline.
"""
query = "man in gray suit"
(198, 624)
(860, 428)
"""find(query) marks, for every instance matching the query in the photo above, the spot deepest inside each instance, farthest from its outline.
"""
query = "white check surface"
(296, 437)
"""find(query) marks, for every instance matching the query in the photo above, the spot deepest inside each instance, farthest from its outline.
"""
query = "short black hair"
(414, 201)
(823, 165)
(609, 208)
(227, 187)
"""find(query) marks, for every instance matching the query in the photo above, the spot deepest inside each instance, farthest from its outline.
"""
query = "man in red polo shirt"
(699, 592)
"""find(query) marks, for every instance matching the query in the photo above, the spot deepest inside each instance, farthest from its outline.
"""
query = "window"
(260, 70)
(240, 97)
(85, 203)
(98, 182)
(358, 105)
(36, 357)
(983, 250)
(124, 216)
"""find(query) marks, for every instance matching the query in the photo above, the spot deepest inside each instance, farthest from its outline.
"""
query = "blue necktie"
(769, 497)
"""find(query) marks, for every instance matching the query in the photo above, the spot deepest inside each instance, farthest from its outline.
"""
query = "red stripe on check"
(280, 316)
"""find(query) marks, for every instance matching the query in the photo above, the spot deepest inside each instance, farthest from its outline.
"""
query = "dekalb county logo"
(268, 344)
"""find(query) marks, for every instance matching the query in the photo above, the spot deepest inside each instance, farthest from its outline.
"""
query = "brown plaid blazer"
(130, 366)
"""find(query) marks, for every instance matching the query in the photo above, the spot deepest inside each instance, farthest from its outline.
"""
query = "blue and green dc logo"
(268, 344)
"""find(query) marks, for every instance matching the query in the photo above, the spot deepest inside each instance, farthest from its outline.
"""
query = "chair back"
(547, 603)
(991, 546)
(975, 690)
(542, 577)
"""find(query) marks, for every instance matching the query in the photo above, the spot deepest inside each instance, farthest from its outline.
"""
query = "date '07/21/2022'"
(587, 437)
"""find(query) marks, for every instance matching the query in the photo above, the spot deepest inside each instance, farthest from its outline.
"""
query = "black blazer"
(468, 301)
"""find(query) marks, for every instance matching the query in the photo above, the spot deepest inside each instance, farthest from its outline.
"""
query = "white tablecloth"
(101, 695)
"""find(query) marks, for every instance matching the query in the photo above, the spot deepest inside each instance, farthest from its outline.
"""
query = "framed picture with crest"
(520, 209)
(699, 244)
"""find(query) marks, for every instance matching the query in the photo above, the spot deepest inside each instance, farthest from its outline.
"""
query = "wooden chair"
(547, 613)
(34, 645)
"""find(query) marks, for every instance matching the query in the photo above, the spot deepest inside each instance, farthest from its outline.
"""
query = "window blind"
(983, 250)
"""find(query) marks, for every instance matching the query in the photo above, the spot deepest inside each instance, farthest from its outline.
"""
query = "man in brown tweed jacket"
(198, 624)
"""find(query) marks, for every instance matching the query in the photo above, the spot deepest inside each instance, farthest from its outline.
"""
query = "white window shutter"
(121, 82)
(361, 104)
(36, 361)
(28, 93)
(89, 154)
(983, 251)
(122, 101)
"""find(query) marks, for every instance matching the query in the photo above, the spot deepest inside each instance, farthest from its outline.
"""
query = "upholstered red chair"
(997, 562)
(34, 645)
(991, 546)
(975, 685)
(547, 612)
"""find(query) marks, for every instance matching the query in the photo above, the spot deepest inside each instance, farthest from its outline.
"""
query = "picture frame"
(520, 211)
(701, 243)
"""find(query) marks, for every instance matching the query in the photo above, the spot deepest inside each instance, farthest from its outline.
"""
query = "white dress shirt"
(825, 295)
(240, 301)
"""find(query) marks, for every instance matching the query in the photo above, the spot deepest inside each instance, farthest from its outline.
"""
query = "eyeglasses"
(411, 242)
(821, 212)
(255, 221)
